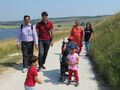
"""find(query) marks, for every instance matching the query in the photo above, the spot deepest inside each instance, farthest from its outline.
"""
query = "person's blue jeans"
(43, 51)
(87, 45)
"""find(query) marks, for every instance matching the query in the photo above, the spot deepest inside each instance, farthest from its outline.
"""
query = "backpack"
(21, 27)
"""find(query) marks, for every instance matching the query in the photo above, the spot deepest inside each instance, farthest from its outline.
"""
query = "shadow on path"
(12, 65)
(53, 76)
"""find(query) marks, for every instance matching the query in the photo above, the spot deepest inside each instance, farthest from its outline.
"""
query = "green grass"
(60, 34)
(64, 25)
(105, 50)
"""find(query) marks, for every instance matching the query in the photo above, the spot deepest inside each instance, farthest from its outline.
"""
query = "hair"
(44, 14)
(26, 16)
(32, 59)
(88, 23)
(77, 21)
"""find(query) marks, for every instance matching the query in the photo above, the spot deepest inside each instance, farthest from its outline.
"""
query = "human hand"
(51, 43)
(36, 47)
(75, 63)
(18, 46)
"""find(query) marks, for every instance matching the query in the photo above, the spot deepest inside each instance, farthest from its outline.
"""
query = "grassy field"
(105, 50)
(7, 47)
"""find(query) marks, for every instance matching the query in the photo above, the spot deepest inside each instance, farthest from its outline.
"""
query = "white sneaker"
(24, 70)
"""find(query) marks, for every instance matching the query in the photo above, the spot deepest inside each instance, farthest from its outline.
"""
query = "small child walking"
(72, 60)
(32, 74)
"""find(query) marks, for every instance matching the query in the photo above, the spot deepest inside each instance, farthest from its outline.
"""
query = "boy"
(32, 75)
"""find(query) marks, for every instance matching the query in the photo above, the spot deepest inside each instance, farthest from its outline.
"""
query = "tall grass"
(60, 34)
(7, 47)
(105, 49)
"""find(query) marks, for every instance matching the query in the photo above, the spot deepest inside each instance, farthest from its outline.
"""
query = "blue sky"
(11, 10)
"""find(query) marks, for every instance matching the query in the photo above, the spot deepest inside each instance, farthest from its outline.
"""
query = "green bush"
(105, 50)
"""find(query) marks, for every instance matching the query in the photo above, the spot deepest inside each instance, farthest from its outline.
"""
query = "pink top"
(72, 58)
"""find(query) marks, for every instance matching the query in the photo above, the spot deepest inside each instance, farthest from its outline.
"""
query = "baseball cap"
(70, 38)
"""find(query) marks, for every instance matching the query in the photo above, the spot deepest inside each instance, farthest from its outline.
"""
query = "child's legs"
(29, 88)
(70, 74)
(76, 76)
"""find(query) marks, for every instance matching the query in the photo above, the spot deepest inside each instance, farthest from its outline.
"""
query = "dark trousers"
(27, 50)
(43, 51)
(75, 72)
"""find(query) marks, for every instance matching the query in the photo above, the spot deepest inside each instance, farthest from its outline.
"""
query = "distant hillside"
(54, 20)
(105, 49)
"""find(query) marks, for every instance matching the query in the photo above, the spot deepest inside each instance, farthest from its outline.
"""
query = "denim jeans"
(27, 50)
(43, 51)
(87, 45)
(29, 88)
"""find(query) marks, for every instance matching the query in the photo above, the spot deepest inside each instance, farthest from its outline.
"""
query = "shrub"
(105, 50)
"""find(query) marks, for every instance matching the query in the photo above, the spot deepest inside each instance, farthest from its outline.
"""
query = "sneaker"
(39, 69)
(77, 84)
(68, 83)
(43, 67)
(87, 54)
(24, 70)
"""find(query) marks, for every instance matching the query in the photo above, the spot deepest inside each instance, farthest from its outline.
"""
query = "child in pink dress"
(72, 60)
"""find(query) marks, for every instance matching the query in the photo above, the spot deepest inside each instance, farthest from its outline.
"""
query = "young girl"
(32, 75)
(88, 36)
(72, 60)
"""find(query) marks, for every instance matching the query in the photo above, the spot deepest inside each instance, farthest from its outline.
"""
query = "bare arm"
(77, 61)
(91, 36)
(19, 38)
(51, 34)
(64, 47)
(37, 79)
(69, 63)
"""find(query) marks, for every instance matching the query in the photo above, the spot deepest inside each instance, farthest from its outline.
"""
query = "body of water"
(8, 33)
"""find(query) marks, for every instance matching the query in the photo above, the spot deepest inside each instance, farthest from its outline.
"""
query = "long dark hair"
(88, 23)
